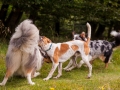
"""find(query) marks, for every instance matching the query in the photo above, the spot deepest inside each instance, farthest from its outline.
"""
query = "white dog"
(61, 52)
(23, 57)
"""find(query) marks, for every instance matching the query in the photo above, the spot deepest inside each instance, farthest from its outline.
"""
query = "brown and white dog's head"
(44, 41)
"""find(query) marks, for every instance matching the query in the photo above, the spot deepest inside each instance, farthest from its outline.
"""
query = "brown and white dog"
(23, 56)
(61, 52)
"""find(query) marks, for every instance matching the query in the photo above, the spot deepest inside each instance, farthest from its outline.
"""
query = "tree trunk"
(93, 29)
(110, 29)
(34, 12)
(3, 12)
(100, 31)
(117, 26)
(13, 19)
(32, 16)
(57, 28)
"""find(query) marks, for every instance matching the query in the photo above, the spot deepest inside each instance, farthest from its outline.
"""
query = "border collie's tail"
(117, 38)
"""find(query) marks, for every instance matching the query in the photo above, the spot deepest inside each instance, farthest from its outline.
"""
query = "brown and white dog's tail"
(86, 44)
(89, 32)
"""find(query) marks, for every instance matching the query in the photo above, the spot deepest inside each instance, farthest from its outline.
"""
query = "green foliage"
(47, 12)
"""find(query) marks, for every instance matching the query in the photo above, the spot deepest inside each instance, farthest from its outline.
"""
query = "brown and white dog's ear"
(42, 37)
(41, 40)
(48, 40)
(73, 33)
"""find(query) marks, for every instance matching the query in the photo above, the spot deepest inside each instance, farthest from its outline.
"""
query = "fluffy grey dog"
(23, 57)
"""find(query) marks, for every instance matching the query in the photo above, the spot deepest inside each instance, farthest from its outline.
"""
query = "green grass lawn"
(102, 79)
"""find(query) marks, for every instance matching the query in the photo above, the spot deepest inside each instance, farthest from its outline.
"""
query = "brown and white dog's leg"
(69, 65)
(80, 64)
(54, 66)
(86, 61)
(59, 70)
(72, 64)
(74, 59)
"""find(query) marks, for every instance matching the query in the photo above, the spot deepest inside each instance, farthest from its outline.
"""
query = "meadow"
(102, 79)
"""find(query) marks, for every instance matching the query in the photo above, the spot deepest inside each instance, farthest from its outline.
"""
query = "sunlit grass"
(102, 79)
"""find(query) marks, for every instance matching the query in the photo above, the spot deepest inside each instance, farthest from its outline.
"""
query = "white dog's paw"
(2, 84)
(65, 69)
(68, 70)
(36, 74)
(89, 76)
(32, 83)
(55, 77)
(45, 79)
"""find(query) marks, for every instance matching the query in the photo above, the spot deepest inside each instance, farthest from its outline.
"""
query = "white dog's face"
(44, 41)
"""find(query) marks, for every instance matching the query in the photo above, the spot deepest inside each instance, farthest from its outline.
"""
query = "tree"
(50, 15)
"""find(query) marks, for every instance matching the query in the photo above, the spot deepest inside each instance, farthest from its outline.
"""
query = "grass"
(102, 79)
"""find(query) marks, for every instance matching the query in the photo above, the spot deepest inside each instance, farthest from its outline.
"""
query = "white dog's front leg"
(54, 66)
(69, 65)
(72, 64)
(36, 74)
(59, 70)
(74, 59)
(80, 64)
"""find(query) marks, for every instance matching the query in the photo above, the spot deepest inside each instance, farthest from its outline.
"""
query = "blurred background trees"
(59, 18)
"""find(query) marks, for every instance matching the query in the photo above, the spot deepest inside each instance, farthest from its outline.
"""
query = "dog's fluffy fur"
(23, 57)
(61, 52)
(98, 48)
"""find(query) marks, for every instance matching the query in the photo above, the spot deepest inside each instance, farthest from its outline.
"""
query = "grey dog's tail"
(24, 33)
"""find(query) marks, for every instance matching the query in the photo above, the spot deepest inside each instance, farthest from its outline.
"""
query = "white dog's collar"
(49, 48)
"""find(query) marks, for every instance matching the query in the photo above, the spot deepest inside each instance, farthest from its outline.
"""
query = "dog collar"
(49, 48)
